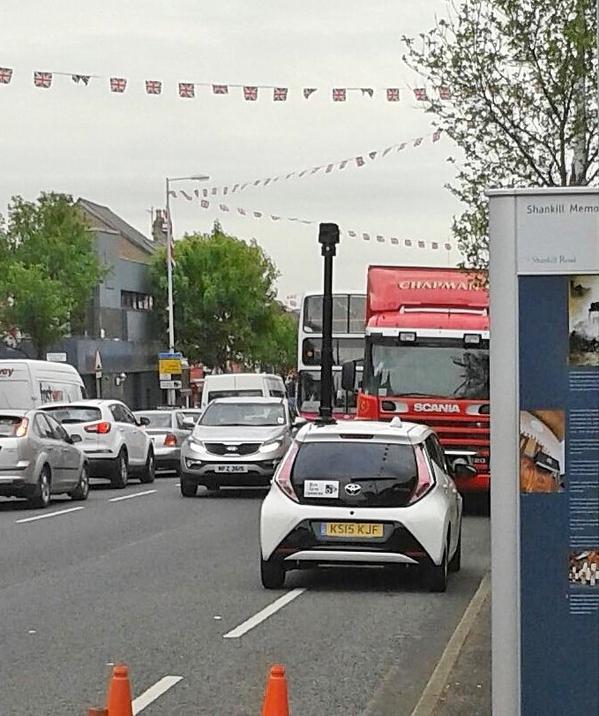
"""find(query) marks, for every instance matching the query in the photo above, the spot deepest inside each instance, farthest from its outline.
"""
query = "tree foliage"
(523, 109)
(49, 269)
(224, 299)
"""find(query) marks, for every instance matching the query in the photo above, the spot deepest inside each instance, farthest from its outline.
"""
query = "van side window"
(52, 393)
(275, 393)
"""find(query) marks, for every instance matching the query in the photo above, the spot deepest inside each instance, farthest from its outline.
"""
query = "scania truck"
(427, 359)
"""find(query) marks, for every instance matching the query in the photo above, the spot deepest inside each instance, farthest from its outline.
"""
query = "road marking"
(154, 692)
(49, 514)
(264, 614)
(130, 497)
(430, 696)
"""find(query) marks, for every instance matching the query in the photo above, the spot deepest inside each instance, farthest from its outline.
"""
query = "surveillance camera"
(122, 376)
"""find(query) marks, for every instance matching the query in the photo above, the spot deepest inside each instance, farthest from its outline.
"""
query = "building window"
(136, 301)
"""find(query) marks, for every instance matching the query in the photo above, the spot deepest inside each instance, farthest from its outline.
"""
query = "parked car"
(247, 385)
(359, 493)
(114, 441)
(39, 459)
(167, 430)
(27, 384)
(236, 442)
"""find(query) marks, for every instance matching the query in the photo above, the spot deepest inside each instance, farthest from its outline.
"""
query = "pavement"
(171, 587)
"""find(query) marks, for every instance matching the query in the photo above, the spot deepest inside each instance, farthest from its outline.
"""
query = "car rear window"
(157, 420)
(354, 460)
(9, 425)
(75, 414)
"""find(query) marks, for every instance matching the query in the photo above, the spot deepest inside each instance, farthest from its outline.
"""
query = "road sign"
(170, 384)
(98, 364)
(56, 357)
(170, 363)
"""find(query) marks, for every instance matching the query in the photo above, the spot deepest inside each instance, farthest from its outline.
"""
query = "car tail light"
(170, 440)
(283, 473)
(21, 431)
(101, 428)
(425, 477)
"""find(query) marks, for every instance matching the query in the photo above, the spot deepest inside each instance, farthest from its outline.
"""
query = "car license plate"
(367, 530)
(230, 468)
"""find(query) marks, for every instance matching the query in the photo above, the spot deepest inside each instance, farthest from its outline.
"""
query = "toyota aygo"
(363, 493)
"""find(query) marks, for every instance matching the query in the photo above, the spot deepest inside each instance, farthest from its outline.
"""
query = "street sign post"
(544, 290)
(170, 367)
(98, 369)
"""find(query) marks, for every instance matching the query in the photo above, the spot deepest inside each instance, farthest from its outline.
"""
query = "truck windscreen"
(443, 370)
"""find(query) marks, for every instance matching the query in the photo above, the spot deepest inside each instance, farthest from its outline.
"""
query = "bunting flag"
(220, 89)
(444, 93)
(360, 161)
(418, 141)
(84, 79)
(186, 89)
(118, 84)
(309, 91)
(367, 91)
(339, 95)
(187, 196)
(392, 94)
(42, 79)
(420, 94)
(153, 87)
(279, 94)
(5, 75)
(436, 135)
(250, 93)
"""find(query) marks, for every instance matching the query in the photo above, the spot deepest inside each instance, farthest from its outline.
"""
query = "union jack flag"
(339, 95)
(380, 238)
(366, 237)
(408, 242)
(401, 146)
(392, 94)
(329, 168)
(220, 89)
(444, 93)
(223, 207)
(279, 94)
(394, 240)
(243, 212)
(250, 93)
(205, 193)
(418, 141)
(186, 89)
(360, 161)
(225, 190)
(308, 92)
(214, 191)
(421, 245)
(448, 247)
(42, 79)
(372, 155)
(437, 135)
(343, 164)
(153, 86)
(352, 234)
(118, 84)
(434, 245)
(274, 217)
(205, 204)
(257, 214)
(420, 94)
(5, 75)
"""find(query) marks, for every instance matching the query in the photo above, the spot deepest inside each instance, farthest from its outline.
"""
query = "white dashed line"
(154, 692)
(130, 497)
(49, 514)
(263, 614)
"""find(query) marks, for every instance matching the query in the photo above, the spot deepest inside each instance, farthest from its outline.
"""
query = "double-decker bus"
(349, 317)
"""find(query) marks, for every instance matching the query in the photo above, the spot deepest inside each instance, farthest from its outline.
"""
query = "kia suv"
(363, 493)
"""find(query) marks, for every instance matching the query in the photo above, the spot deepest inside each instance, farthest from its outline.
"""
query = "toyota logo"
(353, 488)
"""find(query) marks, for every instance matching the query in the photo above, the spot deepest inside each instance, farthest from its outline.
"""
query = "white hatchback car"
(112, 438)
(363, 493)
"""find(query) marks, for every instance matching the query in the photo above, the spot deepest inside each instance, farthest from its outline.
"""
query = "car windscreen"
(9, 425)
(157, 420)
(347, 460)
(74, 414)
(233, 393)
(256, 414)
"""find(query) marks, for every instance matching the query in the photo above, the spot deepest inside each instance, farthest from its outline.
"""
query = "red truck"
(427, 359)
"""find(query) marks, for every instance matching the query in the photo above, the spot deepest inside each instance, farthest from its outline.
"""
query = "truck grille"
(232, 450)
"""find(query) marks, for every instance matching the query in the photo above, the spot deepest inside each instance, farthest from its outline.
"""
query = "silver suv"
(114, 441)
(237, 442)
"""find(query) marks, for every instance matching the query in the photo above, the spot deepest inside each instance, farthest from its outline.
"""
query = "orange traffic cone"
(276, 700)
(119, 692)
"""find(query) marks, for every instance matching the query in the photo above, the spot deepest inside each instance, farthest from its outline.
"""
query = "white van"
(247, 385)
(27, 384)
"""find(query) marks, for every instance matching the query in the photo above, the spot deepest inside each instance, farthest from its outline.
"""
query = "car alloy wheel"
(43, 490)
(82, 490)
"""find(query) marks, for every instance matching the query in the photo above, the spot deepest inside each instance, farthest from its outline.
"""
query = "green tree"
(50, 269)
(223, 296)
(277, 348)
(523, 110)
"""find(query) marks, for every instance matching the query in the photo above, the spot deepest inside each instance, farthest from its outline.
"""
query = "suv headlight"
(196, 445)
(270, 447)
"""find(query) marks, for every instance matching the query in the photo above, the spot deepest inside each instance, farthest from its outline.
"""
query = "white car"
(113, 440)
(363, 493)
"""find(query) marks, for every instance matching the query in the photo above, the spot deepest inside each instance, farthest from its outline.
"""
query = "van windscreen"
(213, 394)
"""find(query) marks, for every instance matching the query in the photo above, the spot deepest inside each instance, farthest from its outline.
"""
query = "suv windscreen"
(256, 414)
(74, 414)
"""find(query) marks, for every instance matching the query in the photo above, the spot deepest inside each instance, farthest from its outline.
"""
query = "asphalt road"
(157, 581)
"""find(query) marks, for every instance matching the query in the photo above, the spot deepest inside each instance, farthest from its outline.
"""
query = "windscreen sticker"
(321, 488)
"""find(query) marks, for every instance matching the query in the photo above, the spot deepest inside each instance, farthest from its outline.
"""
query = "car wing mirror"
(143, 421)
(72, 439)
(462, 469)
(189, 424)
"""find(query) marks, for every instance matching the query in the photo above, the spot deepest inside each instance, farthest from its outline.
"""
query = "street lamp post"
(328, 237)
(172, 395)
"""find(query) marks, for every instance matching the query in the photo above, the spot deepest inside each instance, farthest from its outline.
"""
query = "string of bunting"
(355, 162)
(249, 92)
(351, 233)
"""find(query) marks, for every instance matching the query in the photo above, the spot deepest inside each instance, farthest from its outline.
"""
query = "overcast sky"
(117, 149)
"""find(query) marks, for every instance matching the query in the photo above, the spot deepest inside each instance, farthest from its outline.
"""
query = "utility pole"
(328, 238)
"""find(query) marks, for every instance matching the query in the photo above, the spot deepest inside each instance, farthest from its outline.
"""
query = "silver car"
(237, 442)
(167, 430)
(39, 459)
